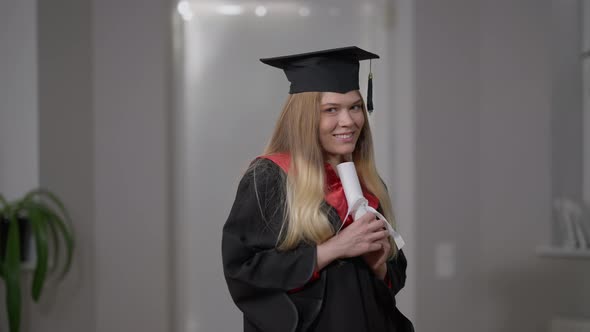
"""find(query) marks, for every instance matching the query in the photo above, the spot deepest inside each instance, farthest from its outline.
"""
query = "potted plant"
(43, 213)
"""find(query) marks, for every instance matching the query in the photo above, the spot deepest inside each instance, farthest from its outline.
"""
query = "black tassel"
(370, 94)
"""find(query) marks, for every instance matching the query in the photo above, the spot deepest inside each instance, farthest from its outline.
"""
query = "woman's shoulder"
(262, 186)
(262, 166)
(264, 174)
(281, 159)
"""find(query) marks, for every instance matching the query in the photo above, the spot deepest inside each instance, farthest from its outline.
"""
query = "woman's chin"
(338, 157)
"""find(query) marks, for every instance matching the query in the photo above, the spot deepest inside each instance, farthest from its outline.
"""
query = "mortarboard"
(333, 70)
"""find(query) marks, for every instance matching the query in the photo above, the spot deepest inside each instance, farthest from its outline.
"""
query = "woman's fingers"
(375, 225)
(374, 246)
(376, 236)
(366, 234)
(367, 217)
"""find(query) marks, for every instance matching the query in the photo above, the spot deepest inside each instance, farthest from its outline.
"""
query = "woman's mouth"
(346, 137)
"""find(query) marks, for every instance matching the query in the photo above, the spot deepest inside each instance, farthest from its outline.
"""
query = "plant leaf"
(55, 240)
(44, 193)
(3, 207)
(12, 273)
(48, 221)
(64, 225)
(62, 228)
(69, 242)
(39, 231)
(3, 202)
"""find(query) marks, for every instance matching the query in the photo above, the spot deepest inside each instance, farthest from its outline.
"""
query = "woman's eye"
(356, 107)
(330, 110)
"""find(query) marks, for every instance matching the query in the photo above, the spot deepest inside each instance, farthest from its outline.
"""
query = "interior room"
(142, 116)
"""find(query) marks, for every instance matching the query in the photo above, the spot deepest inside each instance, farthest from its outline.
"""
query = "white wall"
(131, 76)
(566, 99)
(515, 155)
(65, 157)
(585, 46)
(484, 143)
(19, 151)
(19, 138)
(447, 84)
(402, 142)
(103, 82)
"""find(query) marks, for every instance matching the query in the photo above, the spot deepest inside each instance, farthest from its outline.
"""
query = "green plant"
(50, 226)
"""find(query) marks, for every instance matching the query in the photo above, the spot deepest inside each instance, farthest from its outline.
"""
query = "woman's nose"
(344, 118)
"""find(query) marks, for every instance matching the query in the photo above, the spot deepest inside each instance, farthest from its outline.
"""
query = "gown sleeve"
(395, 280)
(396, 272)
(251, 261)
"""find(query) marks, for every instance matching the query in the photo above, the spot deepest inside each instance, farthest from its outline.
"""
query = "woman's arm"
(250, 234)
(363, 236)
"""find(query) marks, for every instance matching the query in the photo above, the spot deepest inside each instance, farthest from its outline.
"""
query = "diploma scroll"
(357, 203)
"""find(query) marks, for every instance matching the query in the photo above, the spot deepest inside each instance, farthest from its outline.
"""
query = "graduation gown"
(280, 291)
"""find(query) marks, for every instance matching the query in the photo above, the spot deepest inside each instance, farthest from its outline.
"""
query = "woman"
(293, 259)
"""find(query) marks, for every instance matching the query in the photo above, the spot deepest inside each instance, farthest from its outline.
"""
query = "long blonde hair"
(297, 133)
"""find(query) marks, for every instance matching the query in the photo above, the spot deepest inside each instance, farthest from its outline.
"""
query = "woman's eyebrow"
(355, 102)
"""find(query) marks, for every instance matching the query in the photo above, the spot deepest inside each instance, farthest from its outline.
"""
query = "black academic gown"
(346, 297)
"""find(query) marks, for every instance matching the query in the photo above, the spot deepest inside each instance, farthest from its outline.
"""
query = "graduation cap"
(333, 70)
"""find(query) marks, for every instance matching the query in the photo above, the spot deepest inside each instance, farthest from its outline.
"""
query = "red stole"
(334, 192)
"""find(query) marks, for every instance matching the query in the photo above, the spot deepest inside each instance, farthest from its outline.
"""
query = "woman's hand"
(363, 236)
(376, 260)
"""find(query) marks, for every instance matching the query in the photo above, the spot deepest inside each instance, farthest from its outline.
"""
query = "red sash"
(334, 190)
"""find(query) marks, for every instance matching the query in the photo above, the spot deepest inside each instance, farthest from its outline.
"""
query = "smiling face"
(341, 121)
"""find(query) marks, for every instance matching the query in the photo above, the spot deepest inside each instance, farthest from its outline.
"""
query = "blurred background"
(142, 116)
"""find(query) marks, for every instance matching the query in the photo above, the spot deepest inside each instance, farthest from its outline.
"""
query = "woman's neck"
(334, 160)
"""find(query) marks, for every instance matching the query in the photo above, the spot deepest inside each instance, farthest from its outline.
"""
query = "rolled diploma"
(357, 203)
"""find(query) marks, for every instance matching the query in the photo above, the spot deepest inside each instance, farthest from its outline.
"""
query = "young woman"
(293, 260)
